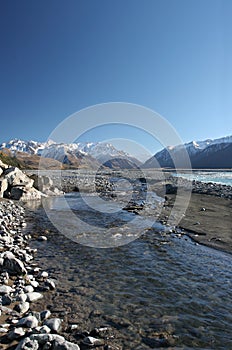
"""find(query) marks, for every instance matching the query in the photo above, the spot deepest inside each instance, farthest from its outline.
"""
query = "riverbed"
(160, 289)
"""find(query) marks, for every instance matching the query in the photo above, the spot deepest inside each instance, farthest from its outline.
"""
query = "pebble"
(29, 322)
(35, 284)
(21, 297)
(13, 265)
(5, 289)
(6, 300)
(3, 330)
(28, 289)
(33, 296)
(22, 308)
(43, 329)
(27, 344)
(91, 341)
(16, 333)
(50, 284)
(45, 314)
(44, 341)
(42, 238)
(44, 274)
(53, 323)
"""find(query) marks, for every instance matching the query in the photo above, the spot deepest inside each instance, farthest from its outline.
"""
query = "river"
(159, 283)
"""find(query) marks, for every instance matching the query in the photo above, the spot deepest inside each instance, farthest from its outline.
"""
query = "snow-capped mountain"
(30, 147)
(203, 154)
(69, 153)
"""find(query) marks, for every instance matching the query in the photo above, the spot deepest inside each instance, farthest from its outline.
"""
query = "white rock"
(22, 308)
(34, 284)
(44, 274)
(28, 344)
(91, 341)
(29, 322)
(42, 238)
(42, 183)
(53, 323)
(21, 297)
(51, 284)
(3, 186)
(16, 177)
(28, 289)
(64, 344)
(5, 289)
(3, 330)
(33, 296)
(45, 314)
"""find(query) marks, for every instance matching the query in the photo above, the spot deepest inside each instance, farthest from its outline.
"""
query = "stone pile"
(15, 184)
(21, 284)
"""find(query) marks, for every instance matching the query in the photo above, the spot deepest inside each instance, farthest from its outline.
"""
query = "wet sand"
(208, 220)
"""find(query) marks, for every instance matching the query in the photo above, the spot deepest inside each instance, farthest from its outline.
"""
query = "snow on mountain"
(198, 151)
(30, 147)
(101, 151)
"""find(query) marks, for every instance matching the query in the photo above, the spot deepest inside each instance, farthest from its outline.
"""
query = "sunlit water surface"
(157, 281)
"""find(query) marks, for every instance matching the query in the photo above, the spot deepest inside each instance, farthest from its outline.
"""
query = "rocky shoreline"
(22, 284)
(208, 218)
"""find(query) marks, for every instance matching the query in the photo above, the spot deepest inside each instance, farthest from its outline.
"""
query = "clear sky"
(59, 56)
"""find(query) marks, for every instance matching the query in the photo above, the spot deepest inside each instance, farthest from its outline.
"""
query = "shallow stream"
(158, 283)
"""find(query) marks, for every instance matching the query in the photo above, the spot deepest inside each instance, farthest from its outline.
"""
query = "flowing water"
(220, 177)
(157, 283)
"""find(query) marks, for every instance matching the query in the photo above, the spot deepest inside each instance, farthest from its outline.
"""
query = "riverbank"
(22, 284)
(208, 218)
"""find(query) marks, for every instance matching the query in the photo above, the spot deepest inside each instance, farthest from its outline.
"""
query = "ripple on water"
(144, 287)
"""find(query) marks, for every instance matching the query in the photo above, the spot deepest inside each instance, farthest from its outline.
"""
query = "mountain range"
(73, 155)
(208, 154)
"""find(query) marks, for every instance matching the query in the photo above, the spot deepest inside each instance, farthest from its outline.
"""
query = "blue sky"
(173, 56)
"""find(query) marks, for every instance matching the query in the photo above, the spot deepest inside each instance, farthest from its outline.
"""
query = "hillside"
(208, 154)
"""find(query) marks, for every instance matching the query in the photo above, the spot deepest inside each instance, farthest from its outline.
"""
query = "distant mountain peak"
(101, 151)
(209, 153)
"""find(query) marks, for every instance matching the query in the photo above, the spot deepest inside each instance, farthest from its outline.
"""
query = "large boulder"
(42, 183)
(45, 184)
(25, 193)
(3, 186)
(16, 177)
